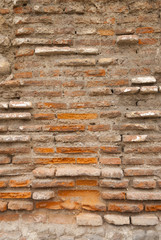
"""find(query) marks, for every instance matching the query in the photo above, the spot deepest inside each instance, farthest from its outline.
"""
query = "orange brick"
(23, 75)
(44, 150)
(87, 160)
(19, 183)
(65, 128)
(44, 116)
(76, 149)
(143, 30)
(106, 32)
(96, 73)
(54, 160)
(4, 11)
(15, 194)
(3, 183)
(49, 205)
(152, 207)
(125, 207)
(148, 41)
(25, 52)
(87, 182)
(3, 206)
(52, 105)
(87, 199)
(75, 116)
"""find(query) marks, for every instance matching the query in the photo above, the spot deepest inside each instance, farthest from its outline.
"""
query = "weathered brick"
(144, 30)
(110, 149)
(100, 92)
(112, 173)
(46, 183)
(51, 105)
(5, 160)
(10, 150)
(4, 105)
(126, 90)
(117, 219)
(138, 172)
(24, 31)
(105, 32)
(43, 172)
(135, 138)
(19, 183)
(15, 104)
(24, 52)
(9, 116)
(144, 220)
(110, 161)
(65, 50)
(15, 195)
(148, 89)
(77, 171)
(14, 138)
(136, 126)
(125, 207)
(114, 183)
(20, 205)
(54, 160)
(127, 39)
(111, 138)
(3, 183)
(43, 195)
(99, 128)
(3, 206)
(143, 80)
(143, 196)
(113, 195)
(77, 62)
(110, 114)
(144, 184)
(144, 114)
(88, 219)
(107, 61)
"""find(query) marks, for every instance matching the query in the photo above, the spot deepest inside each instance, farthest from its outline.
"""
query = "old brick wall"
(80, 128)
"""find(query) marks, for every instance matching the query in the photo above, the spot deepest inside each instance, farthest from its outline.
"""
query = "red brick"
(44, 150)
(52, 105)
(75, 116)
(15, 194)
(110, 150)
(44, 116)
(110, 161)
(148, 41)
(125, 207)
(113, 195)
(99, 128)
(76, 149)
(64, 128)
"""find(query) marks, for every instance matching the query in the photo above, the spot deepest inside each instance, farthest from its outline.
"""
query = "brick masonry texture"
(80, 119)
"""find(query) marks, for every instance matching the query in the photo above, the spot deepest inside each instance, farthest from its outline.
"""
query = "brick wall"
(80, 109)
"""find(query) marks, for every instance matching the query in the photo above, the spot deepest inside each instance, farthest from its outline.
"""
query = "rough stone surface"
(117, 219)
(5, 67)
(87, 219)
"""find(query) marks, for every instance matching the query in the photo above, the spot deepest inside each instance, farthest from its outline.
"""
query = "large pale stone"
(4, 41)
(77, 171)
(143, 80)
(89, 219)
(43, 195)
(117, 219)
(144, 220)
(4, 66)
